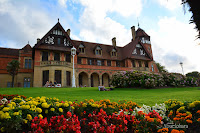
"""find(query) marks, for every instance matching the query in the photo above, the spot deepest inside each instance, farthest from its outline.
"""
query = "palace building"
(50, 60)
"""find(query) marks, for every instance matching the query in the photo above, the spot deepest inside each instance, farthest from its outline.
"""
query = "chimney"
(38, 39)
(133, 32)
(114, 41)
(68, 32)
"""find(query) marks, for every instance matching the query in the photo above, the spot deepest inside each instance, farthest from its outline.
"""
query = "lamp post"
(181, 63)
(73, 53)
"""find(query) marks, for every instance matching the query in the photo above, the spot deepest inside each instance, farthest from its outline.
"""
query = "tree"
(193, 74)
(12, 69)
(160, 67)
(194, 8)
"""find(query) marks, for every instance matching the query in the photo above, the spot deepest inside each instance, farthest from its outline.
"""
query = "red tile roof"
(140, 32)
(9, 51)
(106, 49)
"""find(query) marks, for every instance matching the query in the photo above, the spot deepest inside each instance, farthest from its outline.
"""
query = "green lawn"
(140, 96)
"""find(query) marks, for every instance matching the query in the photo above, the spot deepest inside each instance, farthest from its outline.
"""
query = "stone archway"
(83, 79)
(105, 80)
(94, 80)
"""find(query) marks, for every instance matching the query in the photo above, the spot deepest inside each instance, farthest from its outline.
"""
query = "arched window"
(82, 48)
(98, 51)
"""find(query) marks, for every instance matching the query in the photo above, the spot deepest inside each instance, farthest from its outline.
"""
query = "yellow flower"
(66, 104)
(6, 115)
(13, 103)
(173, 105)
(52, 109)
(46, 111)
(25, 121)
(42, 100)
(60, 110)
(40, 116)
(84, 105)
(188, 113)
(16, 113)
(21, 103)
(196, 102)
(70, 103)
(58, 104)
(5, 109)
(25, 107)
(34, 103)
(3, 129)
(181, 108)
(29, 117)
(45, 105)
(39, 110)
(191, 105)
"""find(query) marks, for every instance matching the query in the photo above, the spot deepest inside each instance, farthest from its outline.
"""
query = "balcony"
(141, 68)
(145, 41)
(55, 63)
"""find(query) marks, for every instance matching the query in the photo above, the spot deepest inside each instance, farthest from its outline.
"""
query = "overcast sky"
(172, 37)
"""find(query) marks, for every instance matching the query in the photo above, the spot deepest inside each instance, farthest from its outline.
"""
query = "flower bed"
(151, 80)
(42, 114)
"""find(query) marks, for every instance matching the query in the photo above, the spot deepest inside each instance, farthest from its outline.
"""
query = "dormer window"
(113, 52)
(139, 50)
(98, 51)
(82, 48)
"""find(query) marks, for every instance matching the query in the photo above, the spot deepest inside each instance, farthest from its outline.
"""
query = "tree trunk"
(13, 77)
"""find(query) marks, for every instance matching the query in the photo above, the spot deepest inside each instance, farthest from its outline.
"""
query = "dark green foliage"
(160, 67)
(194, 8)
(194, 74)
(12, 69)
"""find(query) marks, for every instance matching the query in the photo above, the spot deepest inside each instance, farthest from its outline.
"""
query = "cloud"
(22, 22)
(174, 42)
(97, 26)
(170, 4)
(62, 3)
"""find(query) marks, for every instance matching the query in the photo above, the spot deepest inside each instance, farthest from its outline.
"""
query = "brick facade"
(95, 63)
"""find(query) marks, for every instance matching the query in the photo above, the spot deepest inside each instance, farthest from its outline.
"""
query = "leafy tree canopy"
(194, 8)
(12, 67)
(193, 74)
(161, 68)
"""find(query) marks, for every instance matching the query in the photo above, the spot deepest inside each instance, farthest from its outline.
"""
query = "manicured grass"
(140, 96)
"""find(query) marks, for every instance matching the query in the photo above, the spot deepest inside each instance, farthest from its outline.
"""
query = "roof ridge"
(9, 48)
(97, 43)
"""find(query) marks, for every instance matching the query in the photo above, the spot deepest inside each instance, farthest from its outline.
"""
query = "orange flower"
(182, 118)
(181, 131)
(198, 111)
(184, 114)
(176, 119)
(189, 121)
(159, 130)
(158, 120)
(198, 119)
(175, 131)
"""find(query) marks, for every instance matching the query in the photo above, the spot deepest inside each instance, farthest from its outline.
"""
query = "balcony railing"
(55, 63)
(141, 68)
(145, 41)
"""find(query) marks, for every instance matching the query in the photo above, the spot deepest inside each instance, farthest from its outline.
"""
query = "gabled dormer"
(81, 48)
(98, 50)
(139, 50)
(113, 52)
